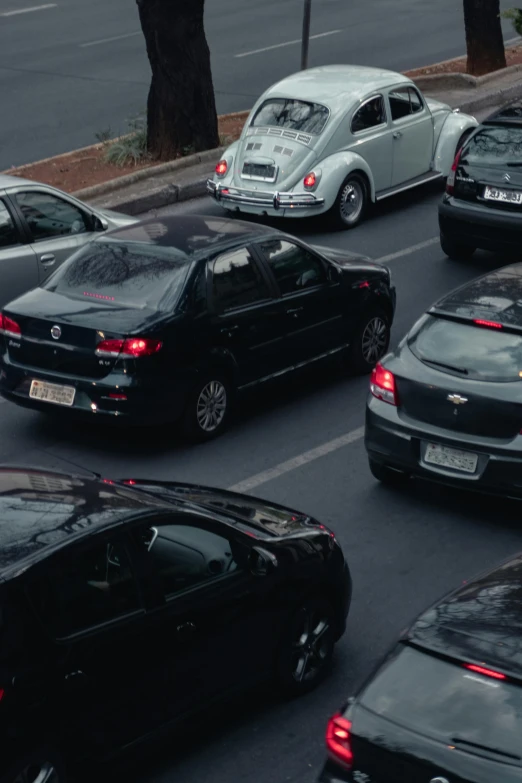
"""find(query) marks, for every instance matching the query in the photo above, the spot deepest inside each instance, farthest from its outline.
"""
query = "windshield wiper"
(458, 741)
(462, 370)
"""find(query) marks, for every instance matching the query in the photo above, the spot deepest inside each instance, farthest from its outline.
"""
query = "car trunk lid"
(273, 156)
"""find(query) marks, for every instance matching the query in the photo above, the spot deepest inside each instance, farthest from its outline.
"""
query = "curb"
(456, 81)
(160, 197)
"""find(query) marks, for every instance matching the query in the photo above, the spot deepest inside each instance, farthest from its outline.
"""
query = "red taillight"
(129, 482)
(221, 168)
(338, 741)
(382, 385)
(487, 324)
(8, 327)
(117, 396)
(310, 180)
(450, 182)
(133, 347)
(486, 672)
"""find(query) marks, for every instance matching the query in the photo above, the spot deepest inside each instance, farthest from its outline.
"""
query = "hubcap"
(43, 772)
(312, 645)
(211, 406)
(374, 340)
(352, 200)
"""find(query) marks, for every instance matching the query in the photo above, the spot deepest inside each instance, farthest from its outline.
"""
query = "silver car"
(39, 228)
(334, 139)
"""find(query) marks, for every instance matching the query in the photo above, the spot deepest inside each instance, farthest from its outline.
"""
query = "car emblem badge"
(56, 332)
(507, 178)
(456, 399)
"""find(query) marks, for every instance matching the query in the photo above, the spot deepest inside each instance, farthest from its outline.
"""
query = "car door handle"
(47, 259)
(295, 311)
(397, 135)
(74, 675)
(186, 629)
(229, 329)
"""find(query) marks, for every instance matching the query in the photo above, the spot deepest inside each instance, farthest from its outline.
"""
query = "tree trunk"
(485, 45)
(181, 108)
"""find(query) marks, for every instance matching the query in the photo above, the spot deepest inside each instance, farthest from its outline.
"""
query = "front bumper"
(262, 199)
(398, 442)
(479, 226)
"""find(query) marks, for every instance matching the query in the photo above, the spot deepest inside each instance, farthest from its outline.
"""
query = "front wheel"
(208, 408)
(351, 203)
(370, 342)
(457, 251)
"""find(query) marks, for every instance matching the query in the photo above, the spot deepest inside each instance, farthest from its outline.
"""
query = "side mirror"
(262, 562)
(100, 224)
(334, 274)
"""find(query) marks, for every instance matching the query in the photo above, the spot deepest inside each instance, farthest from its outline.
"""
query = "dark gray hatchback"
(447, 404)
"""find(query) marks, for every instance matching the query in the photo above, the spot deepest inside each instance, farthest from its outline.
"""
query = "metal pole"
(306, 34)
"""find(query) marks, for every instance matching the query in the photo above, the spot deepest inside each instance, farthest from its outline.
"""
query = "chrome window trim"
(372, 127)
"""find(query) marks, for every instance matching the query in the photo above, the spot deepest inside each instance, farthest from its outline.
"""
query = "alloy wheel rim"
(312, 645)
(351, 203)
(42, 772)
(374, 340)
(211, 406)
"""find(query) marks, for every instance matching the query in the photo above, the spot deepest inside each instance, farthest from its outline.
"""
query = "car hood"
(291, 158)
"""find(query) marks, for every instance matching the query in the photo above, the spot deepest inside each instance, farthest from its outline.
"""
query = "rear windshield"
(295, 115)
(467, 350)
(448, 702)
(128, 273)
(492, 146)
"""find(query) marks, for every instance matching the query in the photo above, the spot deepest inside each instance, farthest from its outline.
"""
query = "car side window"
(403, 102)
(237, 281)
(183, 556)
(88, 587)
(49, 216)
(293, 267)
(9, 236)
(369, 115)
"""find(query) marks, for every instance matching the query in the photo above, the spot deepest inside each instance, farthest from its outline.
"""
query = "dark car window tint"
(294, 268)
(369, 115)
(133, 274)
(447, 702)
(292, 114)
(494, 146)
(49, 216)
(482, 354)
(87, 588)
(404, 101)
(237, 281)
(8, 232)
(184, 556)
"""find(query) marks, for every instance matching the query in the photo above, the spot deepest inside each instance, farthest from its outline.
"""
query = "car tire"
(39, 767)
(386, 475)
(370, 342)
(307, 647)
(456, 251)
(208, 408)
(351, 204)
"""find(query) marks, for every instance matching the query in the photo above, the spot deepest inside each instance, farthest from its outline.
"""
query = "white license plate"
(445, 457)
(52, 392)
(497, 194)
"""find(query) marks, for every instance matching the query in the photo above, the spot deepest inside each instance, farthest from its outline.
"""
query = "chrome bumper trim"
(264, 198)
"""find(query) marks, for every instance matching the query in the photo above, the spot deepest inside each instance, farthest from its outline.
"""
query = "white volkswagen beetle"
(333, 139)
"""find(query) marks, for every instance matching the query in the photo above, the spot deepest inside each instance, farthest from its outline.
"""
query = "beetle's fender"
(230, 155)
(333, 172)
(454, 126)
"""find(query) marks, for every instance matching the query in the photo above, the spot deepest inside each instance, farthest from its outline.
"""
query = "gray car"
(40, 227)
(447, 404)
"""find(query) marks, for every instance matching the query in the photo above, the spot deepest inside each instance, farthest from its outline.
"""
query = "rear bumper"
(397, 442)
(480, 227)
(230, 196)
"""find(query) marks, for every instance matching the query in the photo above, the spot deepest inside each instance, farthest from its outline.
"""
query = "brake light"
(450, 181)
(338, 741)
(129, 482)
(221, 168)
(8, 327)
(487, 324)
(485, 672)
(310, 180)
(132, 348)
(117, 396)
(382, 385)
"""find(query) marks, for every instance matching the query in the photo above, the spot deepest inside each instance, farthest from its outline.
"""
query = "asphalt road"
(71, 69)
(405, 548)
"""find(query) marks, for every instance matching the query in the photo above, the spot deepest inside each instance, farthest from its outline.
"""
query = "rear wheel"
(208, 409)
(457, 251)
(351, 203)
(386, 475)
(370, 342)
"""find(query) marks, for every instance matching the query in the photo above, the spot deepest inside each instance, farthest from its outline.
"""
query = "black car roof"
(480, 622)
(511, 114)
(496, 296)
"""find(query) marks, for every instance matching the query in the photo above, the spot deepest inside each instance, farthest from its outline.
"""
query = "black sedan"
(482, 207)
(446, 705)
(126, 606)
(447, 404)
(167, 319)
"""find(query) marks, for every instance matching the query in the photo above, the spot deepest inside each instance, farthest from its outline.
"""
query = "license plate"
(445, 457)
(497, 194)
(52, 392)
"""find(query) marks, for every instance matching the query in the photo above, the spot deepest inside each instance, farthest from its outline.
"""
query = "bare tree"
(484, 41)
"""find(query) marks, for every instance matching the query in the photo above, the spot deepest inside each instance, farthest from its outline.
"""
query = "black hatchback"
(167, 319)
(126, 606)
(446, 705)
(482, 207)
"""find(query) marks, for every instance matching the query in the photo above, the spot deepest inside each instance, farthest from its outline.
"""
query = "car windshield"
(292, 114)
(130, 273)
(448, 702)
(494, 146)
(468, 350)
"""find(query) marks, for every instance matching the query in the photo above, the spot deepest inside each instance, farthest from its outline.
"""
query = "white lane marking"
(108, 40)
(407, 251)
(287, 43)
(29, 10)
(297, 462)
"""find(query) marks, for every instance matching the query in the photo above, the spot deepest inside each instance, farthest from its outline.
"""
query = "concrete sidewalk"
(170, 183)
